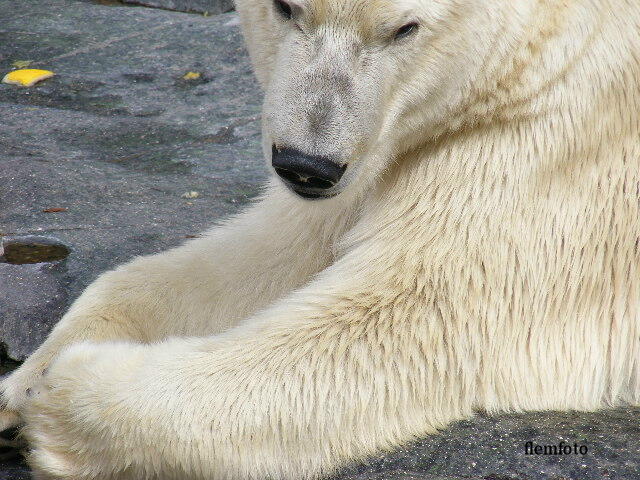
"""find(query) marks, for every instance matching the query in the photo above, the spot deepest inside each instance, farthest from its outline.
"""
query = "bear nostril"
(314, 182)
(287, 174)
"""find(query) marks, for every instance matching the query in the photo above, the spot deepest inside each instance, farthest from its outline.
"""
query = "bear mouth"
(310, 194)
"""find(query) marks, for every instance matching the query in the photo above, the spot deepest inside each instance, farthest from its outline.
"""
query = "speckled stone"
(493, 448)
(34, 285)
(33, 296)
(199, 6)
(114, 140)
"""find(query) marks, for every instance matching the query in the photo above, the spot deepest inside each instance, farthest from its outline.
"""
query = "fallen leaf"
(191, 75)
(54, 210)
(27, 77)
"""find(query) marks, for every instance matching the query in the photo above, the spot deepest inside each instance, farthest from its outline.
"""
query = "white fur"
(482, 254)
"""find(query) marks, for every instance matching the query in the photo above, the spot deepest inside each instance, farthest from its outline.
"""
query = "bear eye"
(406, 30)
(284, 9)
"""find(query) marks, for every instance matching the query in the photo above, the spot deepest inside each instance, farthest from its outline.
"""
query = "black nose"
(306, 171)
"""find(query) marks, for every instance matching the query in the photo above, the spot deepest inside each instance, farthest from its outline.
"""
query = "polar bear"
(452, 225)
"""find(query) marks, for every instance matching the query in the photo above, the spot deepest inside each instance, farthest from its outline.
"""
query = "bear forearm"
(298, 383)
(201, 288)
(209, 284)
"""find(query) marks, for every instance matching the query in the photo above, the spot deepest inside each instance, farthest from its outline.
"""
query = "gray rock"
(34, 283)
(33, 293)
(400, 475)
(114, 141)
(117, 137)
(212, 7)
(493, 448)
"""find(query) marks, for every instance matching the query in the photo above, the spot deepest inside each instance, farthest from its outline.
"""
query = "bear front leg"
(341, 369)
(203, 287)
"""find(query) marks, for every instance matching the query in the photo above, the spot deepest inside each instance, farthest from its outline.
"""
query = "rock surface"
(493, 448)
(34, 296)
(101, 155)
(99, 158)
(211, 7)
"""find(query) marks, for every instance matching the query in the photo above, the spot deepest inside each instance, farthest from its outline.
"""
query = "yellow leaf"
(27, 77)
(191, 76)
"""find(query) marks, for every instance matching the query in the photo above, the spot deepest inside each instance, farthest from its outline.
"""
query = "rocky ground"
(99, 164)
